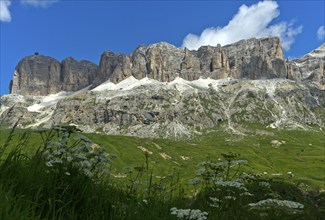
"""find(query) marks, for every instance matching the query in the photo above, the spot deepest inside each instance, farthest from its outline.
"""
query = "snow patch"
(104, 86)
(178, 83)
(319, 52)
(52, 99)
(48, 101)
(127, 84)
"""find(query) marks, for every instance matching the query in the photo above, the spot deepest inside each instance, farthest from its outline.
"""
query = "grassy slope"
(303, 152)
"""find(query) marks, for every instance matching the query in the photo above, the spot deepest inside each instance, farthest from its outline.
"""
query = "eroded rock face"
(310, 68)
(246, 59)
(256, 59)
(37, 75)
(251, 59)
(42, 75)
(76, 75)
(166, 110)
(176, 110)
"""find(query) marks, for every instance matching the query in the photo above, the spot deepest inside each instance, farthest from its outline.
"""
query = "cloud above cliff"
(5, 15)
(250, 21)
(321, 33)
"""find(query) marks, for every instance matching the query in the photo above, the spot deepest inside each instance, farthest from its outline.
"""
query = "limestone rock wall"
(42, 75)
(245, 59)
(251, 59)
(309, 68)
(36, 75)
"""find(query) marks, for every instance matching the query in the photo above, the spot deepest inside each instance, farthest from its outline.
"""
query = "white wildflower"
(246, 194)
(194, 214)
(264, 184)
(214, 202)
(230, 197)
(290, 175)
(278, 203)
(237, 162)
(235, 184)
(49, 163)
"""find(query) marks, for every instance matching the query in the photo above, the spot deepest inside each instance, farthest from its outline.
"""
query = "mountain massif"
(162, 90)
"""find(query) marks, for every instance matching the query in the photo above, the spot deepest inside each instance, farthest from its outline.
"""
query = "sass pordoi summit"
(160, 90)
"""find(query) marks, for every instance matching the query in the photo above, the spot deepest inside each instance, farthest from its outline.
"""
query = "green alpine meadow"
(62, 173)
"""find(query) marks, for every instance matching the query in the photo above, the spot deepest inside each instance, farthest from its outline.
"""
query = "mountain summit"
(246, 59)
(164, 91)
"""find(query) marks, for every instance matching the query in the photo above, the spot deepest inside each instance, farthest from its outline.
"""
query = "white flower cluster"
(246, 194)
(214, 202)
(230, 197)
(224, 163)
(194, 214)
(278, 203)
(237, 162)
(83, 154)
(290, 174)
(264, 184)
(235, 184)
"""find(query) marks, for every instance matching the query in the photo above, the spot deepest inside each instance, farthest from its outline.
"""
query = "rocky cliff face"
(76, 75)
(183, 108)
(42, 75)
(310, 68)
(36, 75)
(246, 59)
(178, 109)
(251, 59)
(163, 91)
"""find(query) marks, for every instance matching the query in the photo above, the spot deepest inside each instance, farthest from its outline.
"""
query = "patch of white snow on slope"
(48, 101)
(178, 83)
(141, 82)
(52, 99)
(127, 84)
(319, 52)
(104, 86)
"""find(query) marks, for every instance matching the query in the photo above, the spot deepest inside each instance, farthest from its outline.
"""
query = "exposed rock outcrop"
(42, 75)
(163, 91)
(245, 59)
(176, 109)
(310, 68)
(251, 59)
(37, 75)
(76, 75)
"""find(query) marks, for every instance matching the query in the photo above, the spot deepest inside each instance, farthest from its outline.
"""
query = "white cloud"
(39, 3)
(250, 21)
(5, 15)
(321, 33)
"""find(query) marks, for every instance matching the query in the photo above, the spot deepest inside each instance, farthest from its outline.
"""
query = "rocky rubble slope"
(178, 109)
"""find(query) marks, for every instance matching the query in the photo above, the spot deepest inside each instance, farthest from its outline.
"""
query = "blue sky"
(85, 29)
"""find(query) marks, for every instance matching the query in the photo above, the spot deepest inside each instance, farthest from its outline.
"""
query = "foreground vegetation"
(62, 174)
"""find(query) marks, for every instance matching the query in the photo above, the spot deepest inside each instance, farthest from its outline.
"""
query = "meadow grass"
(159, 178)
(303, 152)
